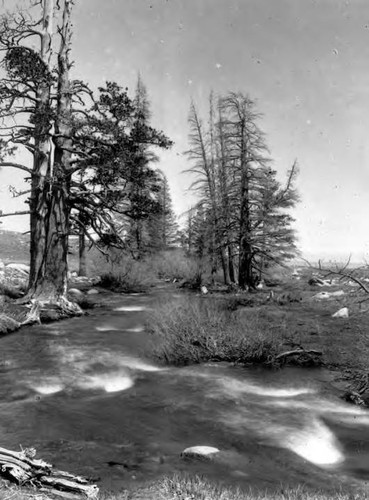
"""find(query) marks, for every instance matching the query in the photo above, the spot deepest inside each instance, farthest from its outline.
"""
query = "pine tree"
(162, 226)
(37, 95)
(114, 185)
(244, 208)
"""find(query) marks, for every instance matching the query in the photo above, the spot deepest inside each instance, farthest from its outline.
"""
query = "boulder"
(93, 291)
(316, 282)
(200, 452)
(289, 297)
(7, 324)
(76, 292)
(322, 296)
(23, 268)
(328, 295)
(341, 313)
(80, 279)
(204, 290)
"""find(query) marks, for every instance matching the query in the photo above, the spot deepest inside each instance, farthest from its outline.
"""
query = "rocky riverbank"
(14, 313)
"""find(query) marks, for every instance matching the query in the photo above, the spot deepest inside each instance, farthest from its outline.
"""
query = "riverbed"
(87, 395)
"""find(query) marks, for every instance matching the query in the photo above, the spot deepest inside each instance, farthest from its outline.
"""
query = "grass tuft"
(197, 488)
(194, 330)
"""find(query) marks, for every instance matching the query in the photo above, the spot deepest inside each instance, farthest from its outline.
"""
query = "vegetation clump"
(198, 488)
(190, 330)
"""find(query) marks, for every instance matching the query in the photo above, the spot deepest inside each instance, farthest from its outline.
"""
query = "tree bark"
(42, 157)
(49, 285)
(225, 266)
(245, 257)
(232, 274)
(82, 271)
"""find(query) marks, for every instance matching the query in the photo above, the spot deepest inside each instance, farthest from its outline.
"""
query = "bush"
(198, 329)
(133, 277)
(121, 273)
(175, 264)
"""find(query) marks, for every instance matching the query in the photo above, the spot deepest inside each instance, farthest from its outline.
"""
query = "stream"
(85, 394)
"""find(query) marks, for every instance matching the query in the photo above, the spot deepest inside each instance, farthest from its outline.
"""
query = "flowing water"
(83, 393)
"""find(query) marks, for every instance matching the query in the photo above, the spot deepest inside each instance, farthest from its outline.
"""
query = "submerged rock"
(200, 452)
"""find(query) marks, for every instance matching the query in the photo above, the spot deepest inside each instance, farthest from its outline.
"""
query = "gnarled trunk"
(42, 157)
(48, 282)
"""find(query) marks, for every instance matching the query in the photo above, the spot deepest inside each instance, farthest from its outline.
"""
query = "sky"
(305, 62)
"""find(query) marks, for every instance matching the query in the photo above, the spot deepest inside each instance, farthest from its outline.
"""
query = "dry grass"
(175, 264)
(194, 330)
(197, 488)
(9, 491)
(192, 488)
(122, 273)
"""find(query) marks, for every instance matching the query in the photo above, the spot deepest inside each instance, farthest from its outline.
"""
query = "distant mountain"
(356, 258)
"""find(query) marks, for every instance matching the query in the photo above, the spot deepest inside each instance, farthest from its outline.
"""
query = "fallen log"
(24, 469)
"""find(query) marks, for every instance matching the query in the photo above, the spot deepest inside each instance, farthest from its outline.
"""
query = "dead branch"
(340, 271)
(286, 354)
(23, 468)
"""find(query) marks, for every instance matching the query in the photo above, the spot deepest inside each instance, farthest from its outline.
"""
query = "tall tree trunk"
(42, 157)
(230, 252)
(225, 266)
(245, 256)
(223, 173)
(51, 285)
(82, 250)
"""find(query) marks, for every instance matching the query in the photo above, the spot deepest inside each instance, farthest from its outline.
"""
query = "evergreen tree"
(36, 105)
(114, 184)
(162, 226)
(245, 209)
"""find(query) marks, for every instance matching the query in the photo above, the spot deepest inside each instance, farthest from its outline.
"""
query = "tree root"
(44, 311)
(23, 468)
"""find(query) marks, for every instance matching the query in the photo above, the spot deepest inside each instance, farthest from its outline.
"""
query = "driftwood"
(302, 356)
(24, 469)
(297, 351)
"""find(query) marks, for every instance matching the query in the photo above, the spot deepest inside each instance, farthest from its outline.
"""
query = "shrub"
(175, 264)
(198, 329)
(128, 275)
